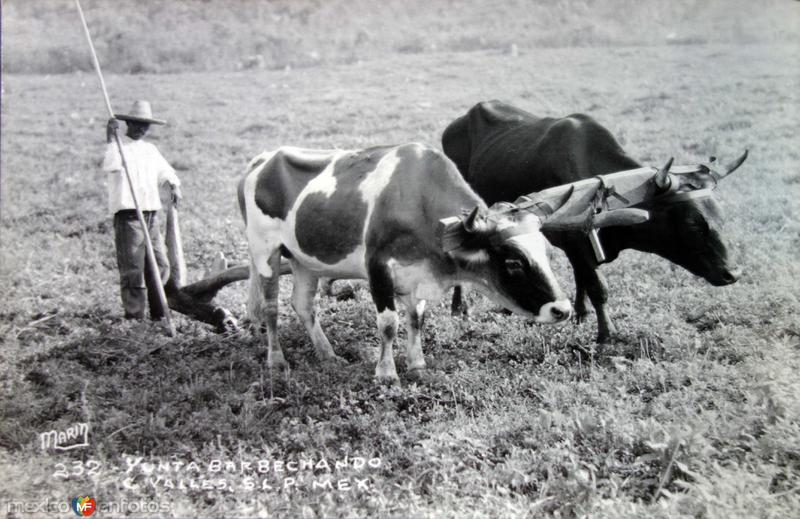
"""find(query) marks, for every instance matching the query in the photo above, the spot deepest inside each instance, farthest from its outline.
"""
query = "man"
(148, 171)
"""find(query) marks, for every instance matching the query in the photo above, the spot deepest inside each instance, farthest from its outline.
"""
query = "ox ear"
(733, 166)
(662, 179)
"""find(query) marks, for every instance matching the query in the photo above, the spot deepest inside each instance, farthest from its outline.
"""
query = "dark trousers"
(135, 274)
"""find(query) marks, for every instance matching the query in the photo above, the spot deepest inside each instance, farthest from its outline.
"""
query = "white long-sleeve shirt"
(148, 169)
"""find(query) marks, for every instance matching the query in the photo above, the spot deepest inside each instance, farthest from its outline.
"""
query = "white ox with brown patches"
(374, 214)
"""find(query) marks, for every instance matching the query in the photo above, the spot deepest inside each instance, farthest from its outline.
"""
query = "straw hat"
(140, 112)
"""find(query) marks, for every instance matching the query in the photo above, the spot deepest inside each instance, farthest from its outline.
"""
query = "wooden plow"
(196, 300)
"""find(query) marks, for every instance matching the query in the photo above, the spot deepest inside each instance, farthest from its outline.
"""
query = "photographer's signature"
(74, 437)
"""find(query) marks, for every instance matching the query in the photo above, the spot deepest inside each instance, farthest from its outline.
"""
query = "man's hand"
(175, 195)
(111, 129)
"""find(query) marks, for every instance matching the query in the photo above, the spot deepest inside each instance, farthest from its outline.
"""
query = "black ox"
(504, 152)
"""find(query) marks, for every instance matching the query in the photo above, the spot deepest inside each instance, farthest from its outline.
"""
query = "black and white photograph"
(400, 259)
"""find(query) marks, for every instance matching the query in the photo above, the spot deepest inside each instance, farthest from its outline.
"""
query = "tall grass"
(192, 35)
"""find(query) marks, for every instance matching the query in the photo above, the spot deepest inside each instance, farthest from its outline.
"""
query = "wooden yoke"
(619, 190)
(607, 197)
(450, 233)
(610, 198)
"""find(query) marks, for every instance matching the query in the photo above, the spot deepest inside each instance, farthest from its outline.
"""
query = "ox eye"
(514, 266)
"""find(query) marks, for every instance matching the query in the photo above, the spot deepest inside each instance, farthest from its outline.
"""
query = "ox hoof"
(417, 374)
(332, 361)
(607, 336)
(386, 373)
(279, 368)
(387, 380)
(459, 311)
(282, 366)
(278, 361)
(416, 367)
(427, 377)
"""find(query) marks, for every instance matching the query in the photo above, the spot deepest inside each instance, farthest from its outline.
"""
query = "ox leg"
(580, 269)
(262, 306)
(415, 359)
(589, 282)
(459, 306)
(304, 294)
(598, 295)
(382, 287)
(580, 300)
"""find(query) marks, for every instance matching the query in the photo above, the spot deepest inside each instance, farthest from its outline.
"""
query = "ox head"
(508, 252)
(505, 254)
(686, 221)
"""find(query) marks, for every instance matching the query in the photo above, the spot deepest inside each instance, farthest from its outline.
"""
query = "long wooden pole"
(150, 255)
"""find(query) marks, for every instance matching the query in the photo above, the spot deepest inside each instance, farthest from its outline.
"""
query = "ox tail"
(240, 198)
(256, 302)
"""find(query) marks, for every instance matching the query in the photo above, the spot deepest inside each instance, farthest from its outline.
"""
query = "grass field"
(155, 36)
(694, 412)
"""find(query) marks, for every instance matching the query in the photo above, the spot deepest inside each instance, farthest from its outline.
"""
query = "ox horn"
(662, 179)
(561, 203)
(733, 166)
(476, 222)
(469, 223)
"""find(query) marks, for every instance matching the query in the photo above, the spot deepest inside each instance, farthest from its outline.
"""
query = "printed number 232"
(77, 468)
